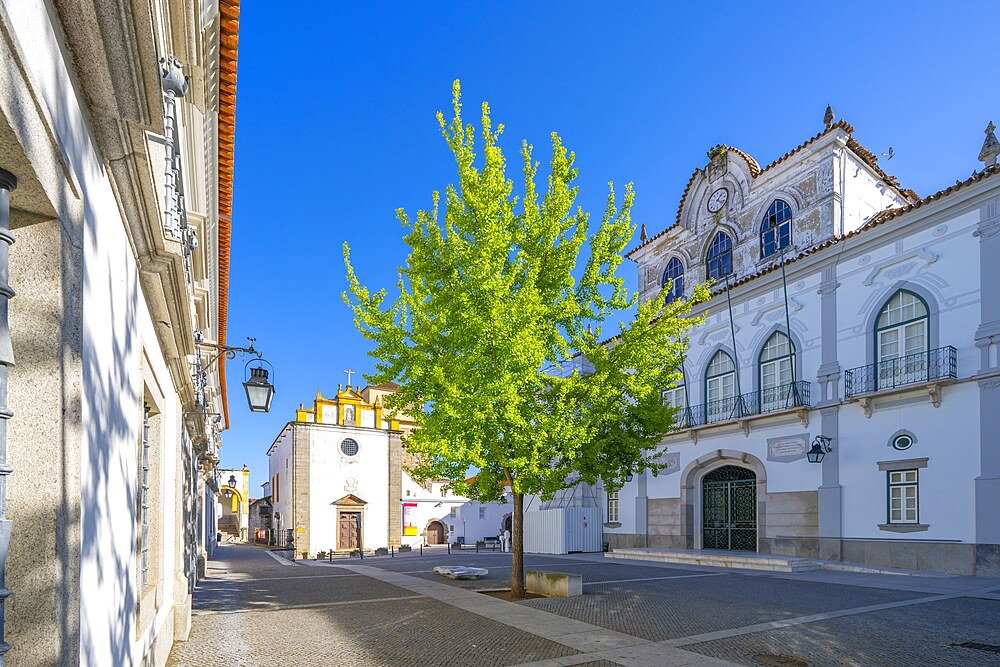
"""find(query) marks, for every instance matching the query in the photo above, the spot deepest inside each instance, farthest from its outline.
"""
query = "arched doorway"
(729, 509)
(508, 523)
(434, 533)
(231, 519)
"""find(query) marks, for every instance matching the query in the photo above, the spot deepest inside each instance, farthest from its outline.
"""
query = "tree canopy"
(494, 305)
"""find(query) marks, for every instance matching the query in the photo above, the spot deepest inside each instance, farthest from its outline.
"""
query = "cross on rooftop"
(349, 374)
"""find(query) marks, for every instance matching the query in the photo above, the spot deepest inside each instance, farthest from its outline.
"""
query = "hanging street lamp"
(259, 390)
(820, 448)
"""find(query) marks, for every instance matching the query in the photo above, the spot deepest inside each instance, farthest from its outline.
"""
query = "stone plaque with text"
(788, 448)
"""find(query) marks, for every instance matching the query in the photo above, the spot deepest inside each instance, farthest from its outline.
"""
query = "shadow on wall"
(109, 479)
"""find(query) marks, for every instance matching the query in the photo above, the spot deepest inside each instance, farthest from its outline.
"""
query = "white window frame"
(613, 514)
(903, 323)
(720, 386)
(775, 371)
(898, 484)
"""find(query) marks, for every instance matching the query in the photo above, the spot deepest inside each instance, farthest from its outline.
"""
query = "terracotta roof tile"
(229, 25)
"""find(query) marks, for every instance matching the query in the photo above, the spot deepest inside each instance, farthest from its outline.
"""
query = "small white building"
(338, 479)
(891, 366)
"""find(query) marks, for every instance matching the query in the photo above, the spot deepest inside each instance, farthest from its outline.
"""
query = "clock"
(718, 200)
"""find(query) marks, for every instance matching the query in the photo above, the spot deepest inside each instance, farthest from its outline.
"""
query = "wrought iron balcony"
(916, 368)
(782, 397)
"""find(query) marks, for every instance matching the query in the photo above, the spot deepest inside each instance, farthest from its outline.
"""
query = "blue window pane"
(674, 272)
(776, 228)
(719, 262)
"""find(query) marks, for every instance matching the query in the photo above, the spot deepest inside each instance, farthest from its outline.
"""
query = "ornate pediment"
(350, 500)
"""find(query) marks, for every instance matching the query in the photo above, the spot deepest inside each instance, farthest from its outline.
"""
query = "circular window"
(349, 446)
(902, 442)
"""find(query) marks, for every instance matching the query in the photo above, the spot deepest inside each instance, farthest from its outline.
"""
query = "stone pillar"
(395, 527)
(987, 485)
(831, 524)
(642, 511)
(301, 482)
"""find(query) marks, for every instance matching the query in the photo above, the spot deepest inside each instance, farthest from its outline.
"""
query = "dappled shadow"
(109, 477)
(332, 616)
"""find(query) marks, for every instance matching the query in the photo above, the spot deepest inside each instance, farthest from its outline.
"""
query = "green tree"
(487, 315)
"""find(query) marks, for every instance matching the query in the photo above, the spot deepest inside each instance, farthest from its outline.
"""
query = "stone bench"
(553, 584)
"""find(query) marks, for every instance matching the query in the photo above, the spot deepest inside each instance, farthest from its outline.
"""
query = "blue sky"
(336, 129)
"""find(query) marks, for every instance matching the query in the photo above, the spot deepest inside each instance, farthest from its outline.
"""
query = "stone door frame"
(443, 532)
(691, 492)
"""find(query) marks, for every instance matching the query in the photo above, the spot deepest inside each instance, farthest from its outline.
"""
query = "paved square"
(387, 612)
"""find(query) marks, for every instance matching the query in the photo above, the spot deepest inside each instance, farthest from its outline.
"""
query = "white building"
(121, 213)
(894, 356)
(338, 479)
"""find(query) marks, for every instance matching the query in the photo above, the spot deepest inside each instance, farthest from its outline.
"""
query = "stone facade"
(119, 276)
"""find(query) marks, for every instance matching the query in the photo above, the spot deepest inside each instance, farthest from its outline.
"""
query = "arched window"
(720, 388)
(775, 368)
(675, 273)
(719, 262)
(676, 397)
(902, 342)
(776, 228)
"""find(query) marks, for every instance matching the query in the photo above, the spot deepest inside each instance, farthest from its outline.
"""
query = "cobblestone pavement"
(395, 611)
(915, 635)
(307, 616)
(672, 608)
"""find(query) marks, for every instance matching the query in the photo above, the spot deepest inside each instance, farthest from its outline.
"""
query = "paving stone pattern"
(915, 635)
(253, 610)
(354, 629)
(671, 608)
(402, 632)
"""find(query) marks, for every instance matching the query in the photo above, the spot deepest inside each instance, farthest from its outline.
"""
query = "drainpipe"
(7, 183)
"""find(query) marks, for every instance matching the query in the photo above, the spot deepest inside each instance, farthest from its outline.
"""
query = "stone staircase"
(731, 559)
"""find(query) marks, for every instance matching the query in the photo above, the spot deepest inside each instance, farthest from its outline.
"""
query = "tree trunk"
(517, 548)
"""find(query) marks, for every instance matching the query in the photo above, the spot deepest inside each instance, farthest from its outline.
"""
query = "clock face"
(718, 200)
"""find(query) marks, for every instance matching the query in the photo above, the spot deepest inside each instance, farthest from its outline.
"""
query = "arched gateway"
(729, 509)
(435, 533)
(723, 491)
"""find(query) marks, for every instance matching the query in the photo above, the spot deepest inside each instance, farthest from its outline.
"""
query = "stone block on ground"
(461, 572)
(553, 584)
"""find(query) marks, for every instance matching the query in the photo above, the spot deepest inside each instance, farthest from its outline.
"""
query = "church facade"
(338, 480)
(841, 399)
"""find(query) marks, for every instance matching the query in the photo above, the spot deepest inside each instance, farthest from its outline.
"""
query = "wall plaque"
(672, 461)
(788, 448)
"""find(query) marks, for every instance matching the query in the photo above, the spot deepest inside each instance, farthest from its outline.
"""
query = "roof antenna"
(889, 155)
(828, 117)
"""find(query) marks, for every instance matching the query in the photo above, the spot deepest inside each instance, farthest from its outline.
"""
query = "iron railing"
(901, 371)
(782, 397)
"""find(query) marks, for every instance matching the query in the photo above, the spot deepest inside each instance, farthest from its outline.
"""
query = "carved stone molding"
(901, 266)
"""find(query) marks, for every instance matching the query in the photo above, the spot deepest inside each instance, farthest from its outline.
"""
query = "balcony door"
(902, 343)
(776, 361)
(720, 388)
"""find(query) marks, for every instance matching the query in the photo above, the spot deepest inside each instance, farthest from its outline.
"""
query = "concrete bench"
(553, 584)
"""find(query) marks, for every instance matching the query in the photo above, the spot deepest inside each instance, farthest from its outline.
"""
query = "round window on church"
(902, 442)
(349, 446)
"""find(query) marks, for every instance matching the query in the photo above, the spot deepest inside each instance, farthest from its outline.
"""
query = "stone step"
(728, 559)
